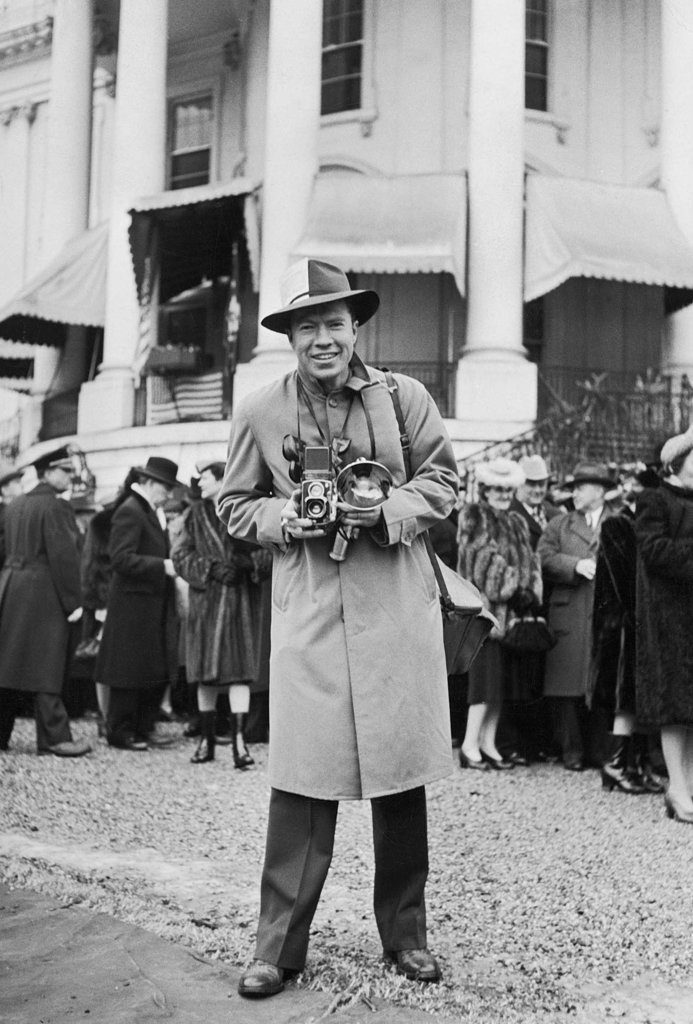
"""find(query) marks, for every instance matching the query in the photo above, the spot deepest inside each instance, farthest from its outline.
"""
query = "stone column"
(677, 159)
(69, 150)
(139, 169)
(291, 163)
(496, 385)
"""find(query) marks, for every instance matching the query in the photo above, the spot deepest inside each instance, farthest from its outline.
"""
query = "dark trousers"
(52, 723)
(300, 840)
(580, 732)
(132, 713)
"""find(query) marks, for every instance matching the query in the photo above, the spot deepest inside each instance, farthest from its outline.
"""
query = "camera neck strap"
(405, 441)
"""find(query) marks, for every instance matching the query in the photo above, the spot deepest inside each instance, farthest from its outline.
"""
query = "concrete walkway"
(60, 964)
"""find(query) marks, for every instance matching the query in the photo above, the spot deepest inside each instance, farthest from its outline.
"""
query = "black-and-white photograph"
(346, 511)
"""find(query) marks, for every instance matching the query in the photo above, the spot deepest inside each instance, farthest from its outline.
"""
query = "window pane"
(190, 169)
(338, 63)
(536, 60)
(342, 94)
(535, 26)
(535, 93)
(192, 123)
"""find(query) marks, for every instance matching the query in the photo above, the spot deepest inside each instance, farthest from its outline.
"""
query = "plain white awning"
(410, 224)
(71, 289)
(578, 228)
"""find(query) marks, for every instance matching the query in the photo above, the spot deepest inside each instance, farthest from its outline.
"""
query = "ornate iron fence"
(59, 415)
(604, 417)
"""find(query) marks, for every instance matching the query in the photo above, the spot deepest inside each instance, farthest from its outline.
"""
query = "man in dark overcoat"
(138, 654)
(568, 552)
(39, 598)
(10, 488)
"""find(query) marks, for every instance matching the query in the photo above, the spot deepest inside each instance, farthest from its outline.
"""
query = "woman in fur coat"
(664, 610)
(495, 554)
(220, 641)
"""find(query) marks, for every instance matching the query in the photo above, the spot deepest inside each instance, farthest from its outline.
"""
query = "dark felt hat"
(591, 473)
(313, 283)
(163, 470)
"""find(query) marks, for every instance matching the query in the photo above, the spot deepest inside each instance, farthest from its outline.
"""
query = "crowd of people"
(141, 593)
(590, 586)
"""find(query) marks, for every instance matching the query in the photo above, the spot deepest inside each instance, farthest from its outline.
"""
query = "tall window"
(536, 54)
(342, 52)
(191, 142)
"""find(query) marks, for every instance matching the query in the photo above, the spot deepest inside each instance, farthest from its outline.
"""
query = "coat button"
(332, 402)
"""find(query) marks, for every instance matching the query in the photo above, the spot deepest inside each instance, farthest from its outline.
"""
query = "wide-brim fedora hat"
(313, 283)
(500, 473)
(591, 473)
(164, 471)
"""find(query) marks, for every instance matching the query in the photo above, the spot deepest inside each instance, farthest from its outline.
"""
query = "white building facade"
(514, 179)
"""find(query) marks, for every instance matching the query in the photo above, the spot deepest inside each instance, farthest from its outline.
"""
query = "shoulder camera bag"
(466, 623)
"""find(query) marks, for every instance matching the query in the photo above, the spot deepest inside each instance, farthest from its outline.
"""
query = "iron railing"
(602, 417)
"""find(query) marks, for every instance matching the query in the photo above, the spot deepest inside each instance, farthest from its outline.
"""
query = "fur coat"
(664, 606)
(495, 554)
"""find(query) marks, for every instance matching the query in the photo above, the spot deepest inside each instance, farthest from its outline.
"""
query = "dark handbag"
(528, 634)
(466, 623)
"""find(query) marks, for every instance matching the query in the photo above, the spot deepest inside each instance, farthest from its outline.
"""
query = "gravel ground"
(547, 898)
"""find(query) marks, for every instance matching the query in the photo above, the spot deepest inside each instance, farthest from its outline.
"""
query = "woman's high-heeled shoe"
(499, 764)
(675, 811)
(471, 762)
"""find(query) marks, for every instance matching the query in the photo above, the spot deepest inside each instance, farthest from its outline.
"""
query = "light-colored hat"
(534, 468)
(676, 446)
(313, 283)
(500, 473)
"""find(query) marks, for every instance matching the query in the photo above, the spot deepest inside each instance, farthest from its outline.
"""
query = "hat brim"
(159, 477)
(364, 302)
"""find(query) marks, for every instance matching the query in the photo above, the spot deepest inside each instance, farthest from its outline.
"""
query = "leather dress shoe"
(261, 979)
(516, 758)
(159, 741)
(69, 748)
(470, 762)
(128, 743)
(574, 765)
(416, 964)
(499, 764)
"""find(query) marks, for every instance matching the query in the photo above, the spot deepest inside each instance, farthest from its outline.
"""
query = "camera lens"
(316, 489)
(316, 508)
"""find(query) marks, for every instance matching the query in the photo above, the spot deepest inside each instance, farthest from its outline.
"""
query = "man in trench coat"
(358, 694)
(568, 552)
(39, 597)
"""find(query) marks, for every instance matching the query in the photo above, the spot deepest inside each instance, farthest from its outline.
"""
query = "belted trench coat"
(358, 686)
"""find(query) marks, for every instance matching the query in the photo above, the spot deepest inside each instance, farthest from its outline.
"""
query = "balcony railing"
(611, 418)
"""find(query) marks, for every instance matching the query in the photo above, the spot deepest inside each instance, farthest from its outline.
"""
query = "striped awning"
(409, 224)
(577, 228)
(70, 290)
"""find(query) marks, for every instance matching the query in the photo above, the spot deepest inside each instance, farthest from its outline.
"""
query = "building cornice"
(27, 42)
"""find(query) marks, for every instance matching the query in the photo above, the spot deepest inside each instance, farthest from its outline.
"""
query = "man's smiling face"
(323, 338)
